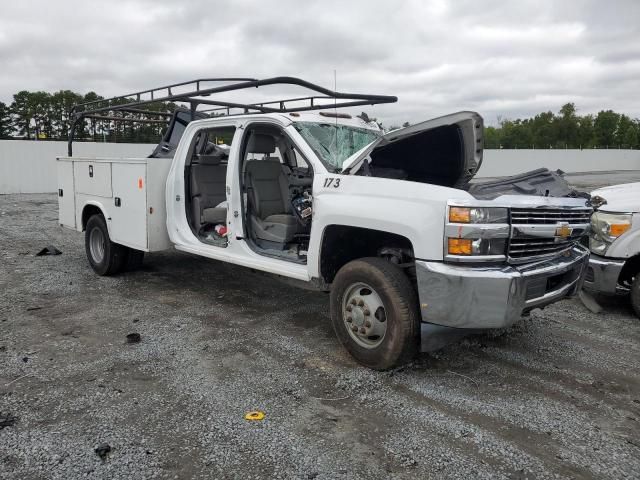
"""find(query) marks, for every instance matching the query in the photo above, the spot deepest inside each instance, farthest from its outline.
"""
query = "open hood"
(443, 151)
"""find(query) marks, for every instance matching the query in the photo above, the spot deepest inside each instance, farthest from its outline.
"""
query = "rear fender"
(89, 208)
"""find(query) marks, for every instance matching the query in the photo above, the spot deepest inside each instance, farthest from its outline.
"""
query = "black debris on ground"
(134, 338)
(103, 450)
(7, 420)
(49, 250)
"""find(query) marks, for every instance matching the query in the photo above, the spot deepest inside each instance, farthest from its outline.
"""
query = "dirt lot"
(556, 396)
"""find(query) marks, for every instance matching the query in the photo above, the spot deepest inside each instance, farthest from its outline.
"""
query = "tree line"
(567, 129)
(47, 116)
(43, 115)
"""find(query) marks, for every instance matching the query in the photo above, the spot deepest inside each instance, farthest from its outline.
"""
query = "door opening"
(205, 184)
(277, 194)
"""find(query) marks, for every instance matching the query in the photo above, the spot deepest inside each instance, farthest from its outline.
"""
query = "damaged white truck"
(390, 224)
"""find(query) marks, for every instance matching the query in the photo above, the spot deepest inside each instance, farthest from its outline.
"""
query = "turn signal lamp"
(617, 229)
(460, 246)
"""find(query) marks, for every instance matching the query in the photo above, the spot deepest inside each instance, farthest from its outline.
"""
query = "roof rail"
(116, 108)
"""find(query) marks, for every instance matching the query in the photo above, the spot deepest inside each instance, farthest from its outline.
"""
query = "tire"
(134, 260)
(366, 285)
(105, 257)
(635, 295)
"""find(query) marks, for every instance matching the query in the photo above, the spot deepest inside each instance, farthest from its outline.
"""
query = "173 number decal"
(332, 182)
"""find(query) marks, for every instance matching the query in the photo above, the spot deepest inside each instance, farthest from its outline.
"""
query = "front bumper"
(481, 297)
(602, 275)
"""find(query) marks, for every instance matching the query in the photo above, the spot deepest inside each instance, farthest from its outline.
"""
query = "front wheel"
(374, 310)
(105, 257)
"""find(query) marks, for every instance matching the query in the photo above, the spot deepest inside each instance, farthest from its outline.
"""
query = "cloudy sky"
(500, 58)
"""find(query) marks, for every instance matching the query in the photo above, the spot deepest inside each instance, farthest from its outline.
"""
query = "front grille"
(535, 231)
(546, 216)
(530, 247)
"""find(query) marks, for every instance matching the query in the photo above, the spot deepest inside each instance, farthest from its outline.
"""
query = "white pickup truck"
(614, 266)
(411, 252)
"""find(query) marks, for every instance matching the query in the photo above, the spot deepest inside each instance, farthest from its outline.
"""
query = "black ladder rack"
(117, 108)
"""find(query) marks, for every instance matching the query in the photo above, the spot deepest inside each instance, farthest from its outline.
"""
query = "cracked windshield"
(335, 143)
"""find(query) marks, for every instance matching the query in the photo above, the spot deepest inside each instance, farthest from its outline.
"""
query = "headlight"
(476, 233)
(605, 228)
(478, 215)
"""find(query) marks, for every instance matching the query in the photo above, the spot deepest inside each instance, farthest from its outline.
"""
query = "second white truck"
(614, 265)
(391, 225)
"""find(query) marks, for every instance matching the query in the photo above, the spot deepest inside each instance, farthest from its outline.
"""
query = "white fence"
(30, 167)
(500, 163)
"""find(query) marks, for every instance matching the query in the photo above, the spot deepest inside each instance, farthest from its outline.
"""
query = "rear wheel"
(105, 257)
(374, 310)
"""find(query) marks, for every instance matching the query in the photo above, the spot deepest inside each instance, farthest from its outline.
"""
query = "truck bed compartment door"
(128, 225)
(92, 178)
(66, 196)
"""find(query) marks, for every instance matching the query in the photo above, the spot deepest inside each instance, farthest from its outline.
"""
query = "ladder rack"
(198, 92)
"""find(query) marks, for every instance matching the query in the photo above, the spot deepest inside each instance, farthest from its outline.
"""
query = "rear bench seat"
(208, 189)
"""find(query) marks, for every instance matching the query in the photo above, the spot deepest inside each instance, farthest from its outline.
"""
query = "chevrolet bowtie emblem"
(563, 232)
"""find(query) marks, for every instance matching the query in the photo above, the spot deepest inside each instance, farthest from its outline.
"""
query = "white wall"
(500, 163)
(30, 166)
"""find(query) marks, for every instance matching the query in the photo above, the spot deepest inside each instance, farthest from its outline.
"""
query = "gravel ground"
(555, 396)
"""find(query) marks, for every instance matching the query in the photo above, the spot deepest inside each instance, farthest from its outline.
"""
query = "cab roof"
(329, 117)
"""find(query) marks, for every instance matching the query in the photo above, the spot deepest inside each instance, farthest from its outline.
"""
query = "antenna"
(335, 86)
(335, 107)
(335, 83)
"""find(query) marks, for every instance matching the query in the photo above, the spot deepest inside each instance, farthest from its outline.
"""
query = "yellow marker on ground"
(254, 416)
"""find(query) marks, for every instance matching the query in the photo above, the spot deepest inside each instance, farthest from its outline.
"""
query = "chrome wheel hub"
(364, 315)
(97, 245)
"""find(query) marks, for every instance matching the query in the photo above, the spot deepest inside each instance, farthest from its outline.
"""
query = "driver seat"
(268, 194)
